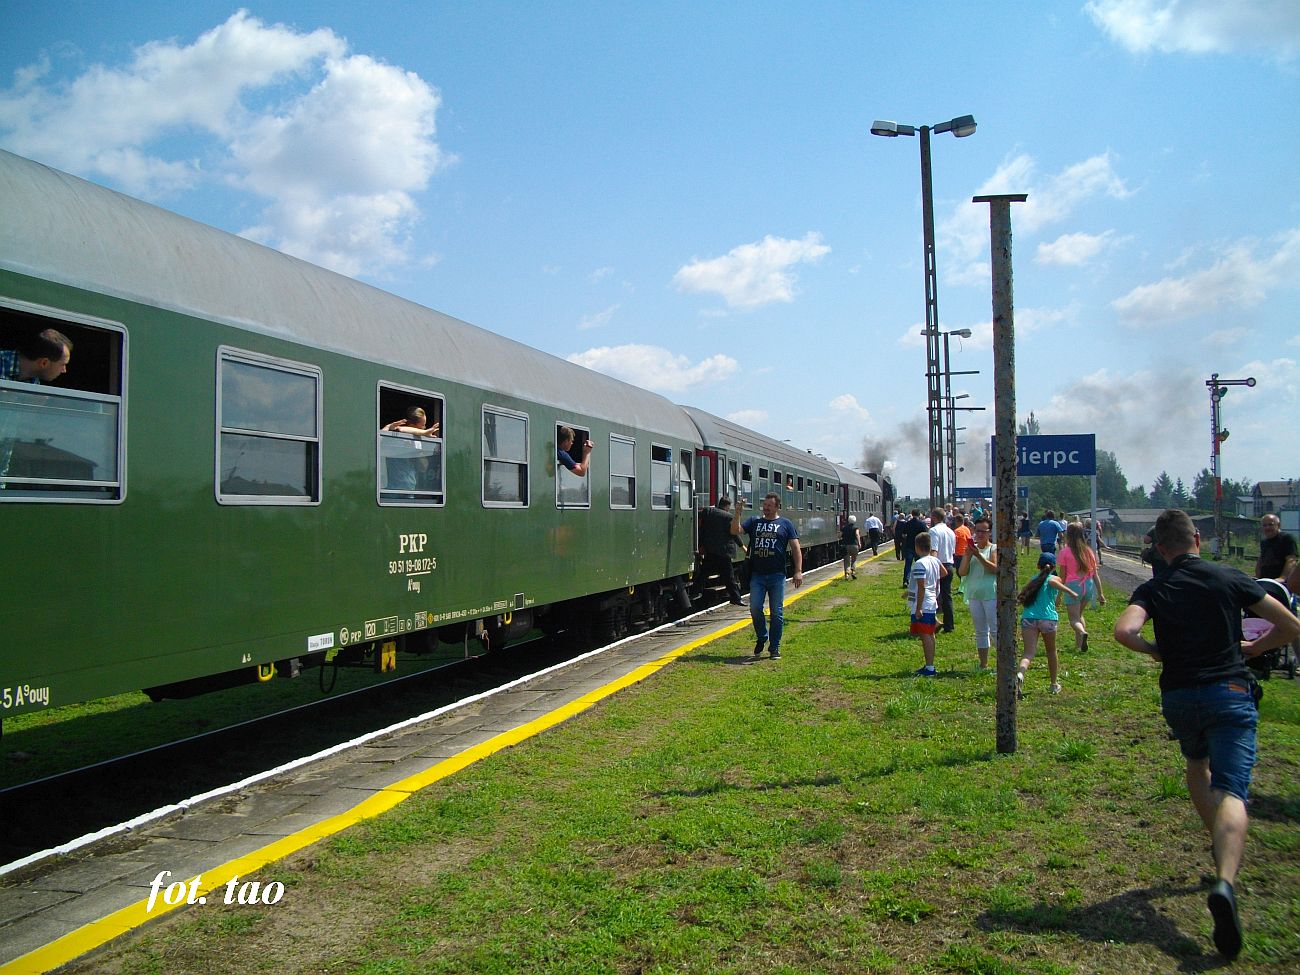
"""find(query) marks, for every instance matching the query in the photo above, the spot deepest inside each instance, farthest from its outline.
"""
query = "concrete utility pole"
(1004, 424)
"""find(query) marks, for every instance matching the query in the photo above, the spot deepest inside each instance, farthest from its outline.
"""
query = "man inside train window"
(407, 470)
(416, 423)
(563, 451)
(40, 358)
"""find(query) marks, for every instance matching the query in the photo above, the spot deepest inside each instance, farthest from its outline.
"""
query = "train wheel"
(421, 642)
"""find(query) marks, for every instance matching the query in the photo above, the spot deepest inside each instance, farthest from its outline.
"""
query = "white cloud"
(1201, 26)
(335, 142)
(846, 408)
(1238, 278)
(1052, 198)
(1030, 320)
(748, 418)
(600, 274)
(653, 367)
(1227, 337)
(752, 274)
(1072, 250)
(599, 319)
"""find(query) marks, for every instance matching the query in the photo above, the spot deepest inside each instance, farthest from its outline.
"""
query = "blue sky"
(687, 195)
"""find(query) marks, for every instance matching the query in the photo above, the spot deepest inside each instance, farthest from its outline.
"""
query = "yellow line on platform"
(93, 935)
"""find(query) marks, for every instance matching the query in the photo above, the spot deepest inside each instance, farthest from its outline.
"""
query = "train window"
(572, 490)
(732, 483)
(661, 477)
(505, 458)
(687, 486)
(410, 465)
(622, 472)
(61, 432)
(268, 423)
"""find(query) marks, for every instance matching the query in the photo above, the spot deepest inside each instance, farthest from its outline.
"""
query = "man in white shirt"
(875, 532)
(943, 546)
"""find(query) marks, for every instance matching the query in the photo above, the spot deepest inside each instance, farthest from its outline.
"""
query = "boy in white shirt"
(923, 599)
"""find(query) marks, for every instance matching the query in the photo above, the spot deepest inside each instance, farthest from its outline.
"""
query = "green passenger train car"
(216, 491)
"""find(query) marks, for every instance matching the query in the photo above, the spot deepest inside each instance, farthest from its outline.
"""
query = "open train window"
(62, 397)
(622, 472)
(505, 458)
(572, 490)
(686, 487)
(268, 430)
(410, 466)
(661, 477)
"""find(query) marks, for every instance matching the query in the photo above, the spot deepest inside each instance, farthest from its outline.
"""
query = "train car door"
(707, 464)
(687, 513)
(706, 487)
(843, 505)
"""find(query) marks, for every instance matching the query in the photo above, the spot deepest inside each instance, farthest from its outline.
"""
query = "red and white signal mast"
(1218, 389)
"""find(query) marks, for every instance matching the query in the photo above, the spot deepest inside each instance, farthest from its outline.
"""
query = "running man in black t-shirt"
(1206, 690)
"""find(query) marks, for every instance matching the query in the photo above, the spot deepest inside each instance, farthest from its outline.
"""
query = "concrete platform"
(56, 910)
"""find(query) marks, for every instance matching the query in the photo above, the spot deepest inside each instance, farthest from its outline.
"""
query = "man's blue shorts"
(1216, 721)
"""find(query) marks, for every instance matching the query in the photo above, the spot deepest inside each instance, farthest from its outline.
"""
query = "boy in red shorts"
(923, 599)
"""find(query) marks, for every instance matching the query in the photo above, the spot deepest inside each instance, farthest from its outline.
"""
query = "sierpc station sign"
(1049, 456)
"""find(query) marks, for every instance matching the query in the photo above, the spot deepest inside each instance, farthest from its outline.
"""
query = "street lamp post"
(1218, 389)
(961, 333)
(960, 127)
(947, 432)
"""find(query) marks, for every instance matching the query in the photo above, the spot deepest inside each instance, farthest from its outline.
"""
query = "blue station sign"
(1049, 456)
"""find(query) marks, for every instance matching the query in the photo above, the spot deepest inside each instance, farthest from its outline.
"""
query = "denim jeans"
(1216, 721)
(771, 585)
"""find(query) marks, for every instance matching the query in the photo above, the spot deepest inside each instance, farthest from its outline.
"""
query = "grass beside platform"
(827, 812)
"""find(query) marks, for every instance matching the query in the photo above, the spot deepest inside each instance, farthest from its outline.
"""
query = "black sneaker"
(1227, 928)
(759, 648)
(775, 654)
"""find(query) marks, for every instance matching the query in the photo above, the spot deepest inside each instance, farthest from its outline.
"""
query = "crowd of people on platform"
(1209, 696)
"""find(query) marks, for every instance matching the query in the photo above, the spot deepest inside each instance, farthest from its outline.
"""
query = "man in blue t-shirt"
(563, 455)
(1048, 531)
(769, 538)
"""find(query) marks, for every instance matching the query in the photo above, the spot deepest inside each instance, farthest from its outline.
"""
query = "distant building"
(1270, 497)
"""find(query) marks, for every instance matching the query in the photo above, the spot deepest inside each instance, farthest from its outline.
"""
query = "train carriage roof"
(60, 228)
(857, 479)
(717, 433)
